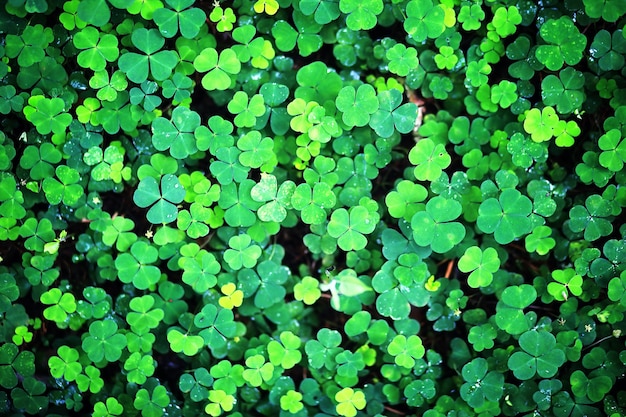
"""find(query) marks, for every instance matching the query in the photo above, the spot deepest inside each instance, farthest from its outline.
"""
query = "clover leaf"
(29, 47)
(143, 315)
(424, 20)
(509, 311)
(180, 134)
(613, 149)
(361, 15)
(430, 159)
(592, 218)
(608, 50)
(305, 35)
(241, 252)
(152, 403)
(99, 49)
(357, 105)
(481, 385)
(136, 266)
(566, 281)
(238, 204)
(324, 11)
(246, 111)
(349, 227)
(217, 326)
(539, 355)
(14, 363)
(507, 217)
(565, 43)
(65, 189)
(406, 200)
(349, 401)
(188, 19)
(607, 10)
(392, 115)
(285, 353)
(313, 201)
(540, 240)
(224, 18)
(277, 200)
(406, 350)
(594, 387)
(434, 226)
(65, 365)
(482, 264)
(95, 12)
(505, 20)
(199, 268)
(188, 344)
(565, 91)
(159, 64)
(110, 408)
(61, 304)
(220, 66)
(104, 342)
(48, 115)
(162, 199)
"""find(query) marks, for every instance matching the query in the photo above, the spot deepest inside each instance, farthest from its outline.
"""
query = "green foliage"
(315, 207)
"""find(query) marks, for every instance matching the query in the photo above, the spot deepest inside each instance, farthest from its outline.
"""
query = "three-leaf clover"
(565, 43)
(406, 350)
(435, 227)
(361, 15)
(392, 115)
(220, 66)
(155, 62)
(98, 48)
(482, 264)
(538, 356)
(136, 265)
(592, 218)
(481, 384)
(349, 227)
(181, 16)
(424, 20)
(357, 105)
(104, 342)
(507, 217)
(61, 305)
(349, 401)
(161, 199)
(430, 159)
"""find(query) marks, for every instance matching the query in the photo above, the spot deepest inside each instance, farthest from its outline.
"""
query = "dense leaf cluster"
(312, 207)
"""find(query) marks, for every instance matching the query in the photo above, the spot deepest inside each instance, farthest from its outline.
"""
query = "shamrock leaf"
(430, 159)
(136, 266)
(188, 19)
(482, 264)
(361, 14)
(163, 198)
(538, 356)
(406, 350)
(220, 66)
(506, 217)
(424, 20)
(481, 385)
(104, 342)
(357, 105)
(180, 134)
(392, 115)
(349, 227)
(98, 48)
(565, 43)
(157, 63)
(434, 226)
